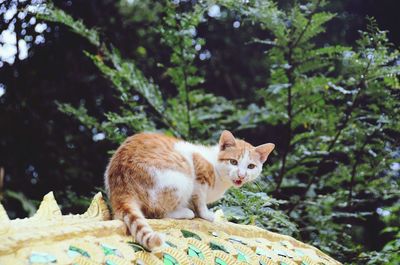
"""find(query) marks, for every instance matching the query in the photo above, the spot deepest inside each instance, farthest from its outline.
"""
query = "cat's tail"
(138, 226)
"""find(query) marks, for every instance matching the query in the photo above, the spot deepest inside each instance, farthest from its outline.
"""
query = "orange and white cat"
(156, 176)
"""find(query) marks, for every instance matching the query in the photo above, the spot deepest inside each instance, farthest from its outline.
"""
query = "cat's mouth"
(238, 182)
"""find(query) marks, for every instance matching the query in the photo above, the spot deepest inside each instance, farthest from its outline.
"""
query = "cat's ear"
(264, 150)
(226, 140)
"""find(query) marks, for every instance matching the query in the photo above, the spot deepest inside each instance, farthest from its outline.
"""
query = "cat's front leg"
(181, 213)
(199, 203)
(207, 214)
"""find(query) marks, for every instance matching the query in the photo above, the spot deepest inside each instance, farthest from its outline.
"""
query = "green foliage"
(235, 206)
(338, 111)
(52, 14)
(189, 114)
(28, 205)
(390, 253)
(337, 108)
(347, 113)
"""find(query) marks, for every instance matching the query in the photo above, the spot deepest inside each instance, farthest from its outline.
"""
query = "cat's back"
(149, 150)
(147, 144)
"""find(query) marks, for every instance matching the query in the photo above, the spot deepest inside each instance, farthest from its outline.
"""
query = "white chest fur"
(216, 193)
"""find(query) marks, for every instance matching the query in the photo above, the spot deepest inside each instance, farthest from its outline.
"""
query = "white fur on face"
(232, 172)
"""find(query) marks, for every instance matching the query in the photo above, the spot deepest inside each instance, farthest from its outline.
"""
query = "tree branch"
(282, 171)
(308, 24)
(187, 101)
(343, 123)
(305, 107)
(355, 165)
(319, 171)
(185, 84)
(291, 79)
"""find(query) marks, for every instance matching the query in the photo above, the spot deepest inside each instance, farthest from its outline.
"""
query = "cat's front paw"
(208, 215)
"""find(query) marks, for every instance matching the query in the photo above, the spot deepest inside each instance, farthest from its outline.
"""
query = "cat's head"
(238, 161)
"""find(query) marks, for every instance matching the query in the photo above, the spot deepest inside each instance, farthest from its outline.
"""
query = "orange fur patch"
(204, 171)
(238, 150)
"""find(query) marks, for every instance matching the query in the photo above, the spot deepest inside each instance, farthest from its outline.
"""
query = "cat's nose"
(241, 176)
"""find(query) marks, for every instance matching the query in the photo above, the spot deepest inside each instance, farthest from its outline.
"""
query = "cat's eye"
(251, 166)
(233, 162)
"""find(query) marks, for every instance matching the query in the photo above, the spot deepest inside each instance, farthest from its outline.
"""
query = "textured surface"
(91, 238)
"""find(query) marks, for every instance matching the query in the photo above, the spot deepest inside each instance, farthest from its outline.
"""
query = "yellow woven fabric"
(92, 238)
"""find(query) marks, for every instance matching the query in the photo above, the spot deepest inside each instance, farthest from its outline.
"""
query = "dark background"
(42, 149)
